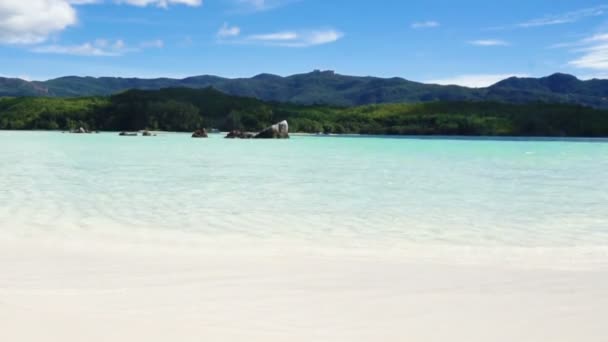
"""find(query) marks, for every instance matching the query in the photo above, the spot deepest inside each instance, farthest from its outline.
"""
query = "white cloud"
(262, 5)
(228, 31)
(600, 37)
(565, 18)
(119, 45)
(84, 2)
(86, 49)
(257, 4)
(99, 48)
(296, 39)
(489, 42)
(592, 51)
(425, 24)
(276, 36)
(475, 80)
(33, 21)
(161, 3)
(594, 57)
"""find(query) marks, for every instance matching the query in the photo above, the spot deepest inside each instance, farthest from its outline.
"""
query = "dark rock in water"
(277, 131)
(237, 134)
(233, 134)
(128, 134)
(81, 130)
(147, 133)
(200, 133)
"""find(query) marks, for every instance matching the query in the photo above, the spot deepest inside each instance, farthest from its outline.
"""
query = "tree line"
(182, 109)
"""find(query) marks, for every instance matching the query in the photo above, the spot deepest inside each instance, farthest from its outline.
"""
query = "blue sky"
(469, 42)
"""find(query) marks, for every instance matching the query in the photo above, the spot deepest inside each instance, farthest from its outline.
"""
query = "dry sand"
(100, 291)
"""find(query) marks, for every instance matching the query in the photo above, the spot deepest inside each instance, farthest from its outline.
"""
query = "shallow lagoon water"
(357, 193)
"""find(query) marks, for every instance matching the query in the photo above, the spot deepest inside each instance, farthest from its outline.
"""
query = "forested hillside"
(183, 109)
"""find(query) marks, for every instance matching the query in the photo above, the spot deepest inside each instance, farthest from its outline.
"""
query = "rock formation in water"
(277, 131)
(237, 134)
(200, 133)
(81, 130)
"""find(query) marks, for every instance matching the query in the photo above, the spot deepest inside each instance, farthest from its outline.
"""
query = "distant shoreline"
(187, 110)
(363, 136)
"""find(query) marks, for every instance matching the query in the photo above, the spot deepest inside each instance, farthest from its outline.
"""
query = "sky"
(473, 42)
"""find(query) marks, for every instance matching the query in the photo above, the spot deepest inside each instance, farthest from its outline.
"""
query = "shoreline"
(386, 136)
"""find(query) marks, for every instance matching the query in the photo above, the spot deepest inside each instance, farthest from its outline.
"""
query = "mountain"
(19, 87)
(327, 87)
(557, 88)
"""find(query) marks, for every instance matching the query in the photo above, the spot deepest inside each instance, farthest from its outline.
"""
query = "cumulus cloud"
(33, 21)
(475, 80)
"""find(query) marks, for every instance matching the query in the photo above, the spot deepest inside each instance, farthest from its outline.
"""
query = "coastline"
(386, 136)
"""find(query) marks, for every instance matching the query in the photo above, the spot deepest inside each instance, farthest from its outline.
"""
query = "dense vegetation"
(183, 109)
(332, 89)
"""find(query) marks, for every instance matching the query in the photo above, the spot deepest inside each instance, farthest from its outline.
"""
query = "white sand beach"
(91, 291)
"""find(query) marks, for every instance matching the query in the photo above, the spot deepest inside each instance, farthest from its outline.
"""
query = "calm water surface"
(461, 192)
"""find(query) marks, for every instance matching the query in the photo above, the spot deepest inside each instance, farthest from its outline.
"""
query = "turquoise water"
(420, 191)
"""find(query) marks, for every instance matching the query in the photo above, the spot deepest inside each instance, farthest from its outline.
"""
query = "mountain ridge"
(328, 87)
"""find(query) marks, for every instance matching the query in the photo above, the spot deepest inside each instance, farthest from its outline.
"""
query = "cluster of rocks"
(200, 133)
(147, 133)
(82, 130)
(237, 134)
(144, 133)
(277, 131)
